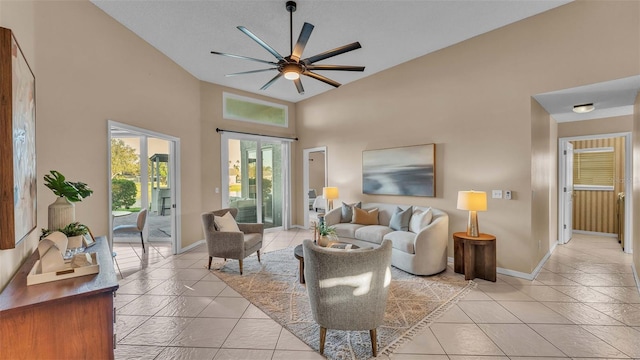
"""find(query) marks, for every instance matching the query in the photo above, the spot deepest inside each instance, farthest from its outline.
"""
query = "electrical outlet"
(496, 194)
(217, 190)
(507, 194)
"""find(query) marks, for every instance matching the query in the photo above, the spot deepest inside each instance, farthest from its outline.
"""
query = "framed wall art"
(407, 171)
(18, 178)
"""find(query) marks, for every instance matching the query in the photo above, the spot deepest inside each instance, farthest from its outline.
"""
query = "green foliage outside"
(123, 193)
(124, 160)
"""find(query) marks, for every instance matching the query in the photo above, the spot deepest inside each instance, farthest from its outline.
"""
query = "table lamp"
(473, 201)
(330, 193)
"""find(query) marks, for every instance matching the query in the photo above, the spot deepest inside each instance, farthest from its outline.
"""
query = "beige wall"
(635, 231)
(543, 182)
(473, 100)
(609, 125)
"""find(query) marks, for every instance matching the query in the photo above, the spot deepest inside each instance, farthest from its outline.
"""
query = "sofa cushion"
(347, 211)
(420, 219)
(346, 230)
(372, 233)
(402, 240)
(400, 219)
(365, 217)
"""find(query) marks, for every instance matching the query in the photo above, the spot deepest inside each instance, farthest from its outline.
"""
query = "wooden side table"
(475, 257)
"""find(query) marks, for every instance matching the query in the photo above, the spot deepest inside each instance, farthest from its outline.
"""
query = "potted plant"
(62, 211)
(326, 234)
(75, 232)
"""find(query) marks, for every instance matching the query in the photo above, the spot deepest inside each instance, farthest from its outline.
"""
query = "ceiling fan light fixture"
(291, 71)
(583, 108)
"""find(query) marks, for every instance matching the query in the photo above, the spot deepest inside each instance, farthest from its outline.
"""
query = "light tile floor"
(584, 304)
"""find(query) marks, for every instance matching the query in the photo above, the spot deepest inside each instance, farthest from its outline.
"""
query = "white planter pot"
(61, 213)
(75, 241)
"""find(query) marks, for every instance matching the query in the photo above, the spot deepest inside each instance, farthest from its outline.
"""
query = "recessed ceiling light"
(583, 108)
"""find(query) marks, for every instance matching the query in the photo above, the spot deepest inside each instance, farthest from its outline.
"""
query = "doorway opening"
(256, 179)
(314, 171)
(143, 178)
(594, 208)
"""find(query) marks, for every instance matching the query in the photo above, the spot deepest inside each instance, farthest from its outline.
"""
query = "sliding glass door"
(255, 179)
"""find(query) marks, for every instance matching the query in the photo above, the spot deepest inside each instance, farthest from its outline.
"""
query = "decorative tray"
(37, 277)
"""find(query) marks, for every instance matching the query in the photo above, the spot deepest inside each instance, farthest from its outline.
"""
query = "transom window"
(236, 107)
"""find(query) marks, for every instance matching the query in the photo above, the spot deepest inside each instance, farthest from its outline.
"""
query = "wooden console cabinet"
(64, 319)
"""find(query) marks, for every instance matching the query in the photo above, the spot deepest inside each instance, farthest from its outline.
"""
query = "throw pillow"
(226, 223)
(400, 219)
(420, 219)
(365, 217)
(347, 212)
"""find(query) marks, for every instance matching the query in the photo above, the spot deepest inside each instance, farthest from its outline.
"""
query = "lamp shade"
(472, 200)
(330, 193)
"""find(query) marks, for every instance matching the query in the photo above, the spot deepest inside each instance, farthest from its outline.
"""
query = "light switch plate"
(496, 194)
(507, 194)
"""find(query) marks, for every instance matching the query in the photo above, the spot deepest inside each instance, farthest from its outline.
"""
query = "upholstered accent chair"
(138, 227)
(228, 244)
(348, 289)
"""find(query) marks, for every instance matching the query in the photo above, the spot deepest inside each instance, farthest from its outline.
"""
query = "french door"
(143, 176)
(256, 178)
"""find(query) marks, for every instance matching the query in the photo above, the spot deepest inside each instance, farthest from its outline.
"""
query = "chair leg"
(374, 342)
(240, 261)
(210, 258)
(323, 336)
(142, 241)
(258, 252)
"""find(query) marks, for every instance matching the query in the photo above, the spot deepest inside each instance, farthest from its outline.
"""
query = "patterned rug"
(273, 286)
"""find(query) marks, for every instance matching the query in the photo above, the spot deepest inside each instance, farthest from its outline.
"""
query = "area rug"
(273, 286)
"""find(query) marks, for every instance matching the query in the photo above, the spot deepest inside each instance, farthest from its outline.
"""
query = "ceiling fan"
(292, 66)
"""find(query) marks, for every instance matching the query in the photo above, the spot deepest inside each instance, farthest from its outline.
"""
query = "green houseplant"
(72, 191)
(326, 234)
(62, 211)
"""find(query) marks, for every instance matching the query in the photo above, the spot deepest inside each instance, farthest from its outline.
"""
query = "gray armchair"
(348, 290)
(231, 245)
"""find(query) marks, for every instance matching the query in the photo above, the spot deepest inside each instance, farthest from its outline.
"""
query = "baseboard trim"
(636, 276)
(595, 233)
(189, 247)
(523, 275)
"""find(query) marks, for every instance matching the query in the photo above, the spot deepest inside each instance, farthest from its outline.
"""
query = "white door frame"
(628, 148)
(286, 166)
(306, 155)
(174, 162)
(564, 177)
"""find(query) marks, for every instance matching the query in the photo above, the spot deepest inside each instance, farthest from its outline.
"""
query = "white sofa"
(422, 253)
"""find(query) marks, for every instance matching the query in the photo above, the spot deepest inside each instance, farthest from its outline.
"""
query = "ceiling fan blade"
(305, 33)
(322, 78)
(262, 43)
(244, 58)
(251, 72)
(334, 52)
(299, 86)
(265, 86)
(336, 67)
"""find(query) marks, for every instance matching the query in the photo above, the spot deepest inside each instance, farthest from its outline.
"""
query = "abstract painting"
(408, 171)
(18, 143)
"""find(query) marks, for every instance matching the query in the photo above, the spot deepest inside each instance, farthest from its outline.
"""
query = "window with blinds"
(593, 169)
